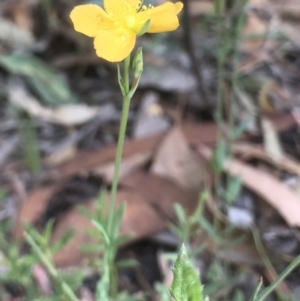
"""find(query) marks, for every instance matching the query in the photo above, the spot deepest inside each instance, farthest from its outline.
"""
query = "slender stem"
(118, 159)
(257, 289)
(264, 256)
(51, 269)
(219, 8)
(285, 273)
(235, 61)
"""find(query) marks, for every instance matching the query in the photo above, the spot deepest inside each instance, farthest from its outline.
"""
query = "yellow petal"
(178, 7)
(120, 8)
(166, 7)
(163, 17)
(134, 3)
(163, 22)
(114, 45)
(89, 18)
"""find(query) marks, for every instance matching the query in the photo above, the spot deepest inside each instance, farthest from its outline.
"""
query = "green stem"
(118, 159)
(51, 269)
(264, 256)
(235, 60)
(219, 8)
(285, 273)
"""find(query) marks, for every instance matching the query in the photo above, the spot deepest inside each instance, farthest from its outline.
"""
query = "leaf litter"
(168, 166)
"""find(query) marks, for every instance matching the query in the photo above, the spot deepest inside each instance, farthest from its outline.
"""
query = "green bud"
(144, 28)
(137, 64)
(186, 285)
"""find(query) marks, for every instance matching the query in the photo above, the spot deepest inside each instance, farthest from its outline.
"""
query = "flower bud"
(137, 63)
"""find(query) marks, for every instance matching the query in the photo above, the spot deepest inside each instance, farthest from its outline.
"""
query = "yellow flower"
(115, 28)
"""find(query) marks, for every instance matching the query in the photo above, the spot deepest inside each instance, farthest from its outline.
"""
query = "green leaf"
(44, 80)
(207, 227)
(62, 242)
(186, 284)
(233, 189)
(180, 213)
(101, 229)
(240, 129)
(122, 240)
(117, 220)
(257, 290)
(127, 263)
(138, 63)
(3, 193)
(48, 231)
(219, 156)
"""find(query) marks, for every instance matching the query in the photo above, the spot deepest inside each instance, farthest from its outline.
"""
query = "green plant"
(17, 268)
(44, 250)
(186, 285)
(188, 225)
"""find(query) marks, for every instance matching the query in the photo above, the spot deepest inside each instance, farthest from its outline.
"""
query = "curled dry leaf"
(248, 151)
(73, 114)
(277, 194)
(68, 115)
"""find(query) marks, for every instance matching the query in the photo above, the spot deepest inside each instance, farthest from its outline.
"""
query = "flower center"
(130, 21)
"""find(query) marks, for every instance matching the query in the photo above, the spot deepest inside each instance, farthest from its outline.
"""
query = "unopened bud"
(137, 63)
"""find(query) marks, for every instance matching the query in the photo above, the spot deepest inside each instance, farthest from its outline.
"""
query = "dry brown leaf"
(176, 160)
(149, 209)
(33, 207)
(139, 220)
(85, 162)
(277, 194)
(136, 161)
(205, 133)
(161, 193)
(149, 199)
(248, 151)
(156, 195)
